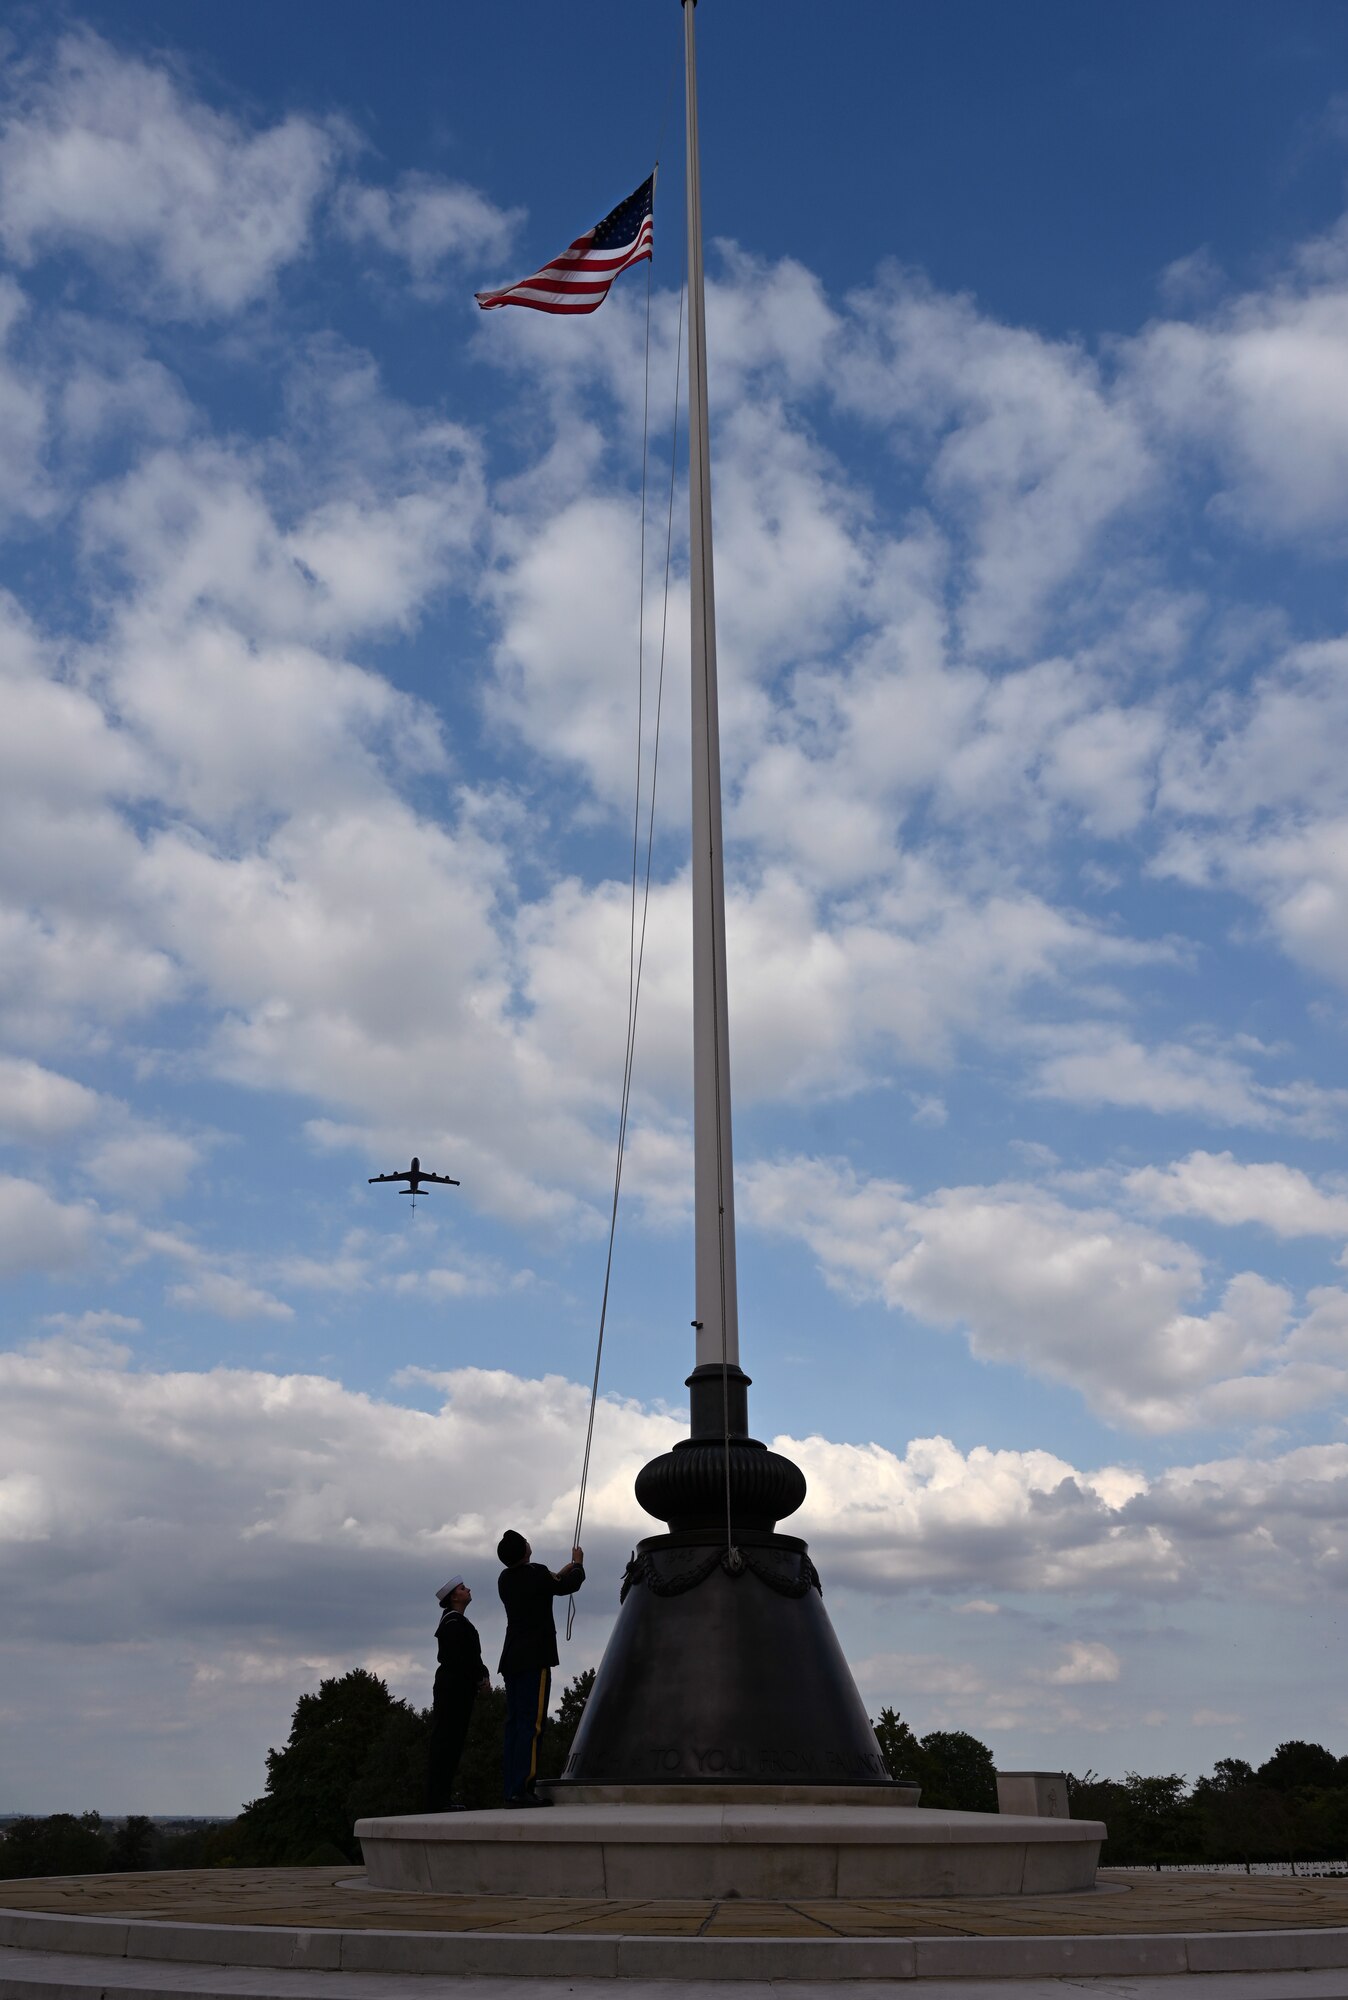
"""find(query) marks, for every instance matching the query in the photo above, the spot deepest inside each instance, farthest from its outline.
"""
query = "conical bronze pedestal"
(723, 1666)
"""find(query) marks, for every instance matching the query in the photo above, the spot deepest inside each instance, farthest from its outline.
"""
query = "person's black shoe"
(523, 1799)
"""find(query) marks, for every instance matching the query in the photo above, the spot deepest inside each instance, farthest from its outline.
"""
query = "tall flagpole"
(717, 1321)
(722, 1638)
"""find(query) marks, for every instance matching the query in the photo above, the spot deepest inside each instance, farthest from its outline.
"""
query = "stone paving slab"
(315, 1900)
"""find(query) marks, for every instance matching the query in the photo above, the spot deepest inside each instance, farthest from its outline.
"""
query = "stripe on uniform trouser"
(539, 1718)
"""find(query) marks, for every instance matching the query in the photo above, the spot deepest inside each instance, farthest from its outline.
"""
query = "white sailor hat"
(447, 1590)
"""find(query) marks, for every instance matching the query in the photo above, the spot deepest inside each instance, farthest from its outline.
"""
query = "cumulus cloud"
(79, 1327)
(1252, 385)
(1271, 748)
(935, 1516)
(262, 1474)
(37, 1103)
(39, 1233)
(1221, 1188)
(288, 1474)
(142, 1164)
(24, 417)
(1082, 1296)
(114, 156)
(1085, 1661)
(228, 1297)
(1030, 451)
(1098, 1064)
(1257, 799)
(426, 221)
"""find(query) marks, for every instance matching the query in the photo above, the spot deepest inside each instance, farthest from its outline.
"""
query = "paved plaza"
(310, 1933)
(1124, 1904)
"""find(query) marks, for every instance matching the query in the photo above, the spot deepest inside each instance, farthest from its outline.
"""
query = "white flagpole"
(717, 1320)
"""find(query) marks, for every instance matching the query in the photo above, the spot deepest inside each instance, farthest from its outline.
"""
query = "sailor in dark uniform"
(459, 1678)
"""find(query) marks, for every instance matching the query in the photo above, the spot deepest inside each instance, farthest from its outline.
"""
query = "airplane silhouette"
(415, 1175)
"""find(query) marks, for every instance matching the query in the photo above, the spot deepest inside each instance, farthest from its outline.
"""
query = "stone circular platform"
(329, 1921)
(771, 1849)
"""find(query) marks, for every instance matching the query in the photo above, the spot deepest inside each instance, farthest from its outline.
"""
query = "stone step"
(49, 1975)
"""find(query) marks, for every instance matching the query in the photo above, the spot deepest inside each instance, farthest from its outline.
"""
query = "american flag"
(578, 280)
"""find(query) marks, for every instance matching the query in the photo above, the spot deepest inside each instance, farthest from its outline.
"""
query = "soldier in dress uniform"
(529, 1655)
(459, 1678)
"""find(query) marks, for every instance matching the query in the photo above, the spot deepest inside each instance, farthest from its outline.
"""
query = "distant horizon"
(159, 1819)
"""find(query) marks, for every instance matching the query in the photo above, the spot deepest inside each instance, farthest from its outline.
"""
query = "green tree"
(1227, 1774)
(61, 1844)
(959, 1772)
(135, 1844)
(1237, 1818)
(391, 1776)
(352, 1750)
(570, 1709)
(1297, 1767)
(899, 1748)
(202, 1847)
(1151, 1821)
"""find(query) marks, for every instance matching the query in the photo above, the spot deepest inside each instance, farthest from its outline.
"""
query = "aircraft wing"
(443, 1179)
(390, 1177)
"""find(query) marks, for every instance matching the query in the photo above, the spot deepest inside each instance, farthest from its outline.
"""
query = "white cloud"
(59, 970)
(1281, 1517)
(113, 156)
(1300, 876)
(1220, 1188)
(1256, 387)
(919, 1674)
(142, 1164)
(1029, 450)
(426, 221)
(447, 1281)
(38, 1233)
(1081, 1296)
(1099, 1064)
(200, 535)
(228, 1297)
(38, 1104)
(1085, 1661)
(566, 653)
(24, 420)
(1256, 791)
(1273, 748)
(87, 1329)
(265, 1475)
(947, 1519)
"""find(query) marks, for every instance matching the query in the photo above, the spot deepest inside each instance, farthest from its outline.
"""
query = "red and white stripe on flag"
(578, 280)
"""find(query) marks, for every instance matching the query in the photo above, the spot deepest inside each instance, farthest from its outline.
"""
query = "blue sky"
(1028, 335)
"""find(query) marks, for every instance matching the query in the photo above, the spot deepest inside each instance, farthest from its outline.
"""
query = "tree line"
(355, 1752)
(1294, 1807)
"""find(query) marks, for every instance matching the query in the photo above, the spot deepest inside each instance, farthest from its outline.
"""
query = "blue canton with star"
(621, 224)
